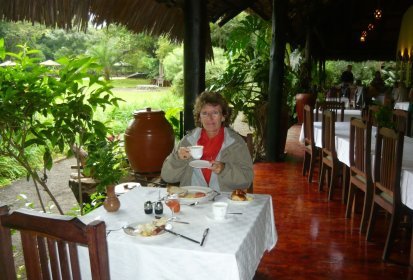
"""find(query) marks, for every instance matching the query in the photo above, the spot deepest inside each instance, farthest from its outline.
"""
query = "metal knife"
(183, 236)
(204, 236)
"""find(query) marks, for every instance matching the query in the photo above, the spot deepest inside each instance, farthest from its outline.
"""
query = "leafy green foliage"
(106, 162)
(48, 109)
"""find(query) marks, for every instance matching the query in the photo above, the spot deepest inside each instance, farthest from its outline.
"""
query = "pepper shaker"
(158, 208)
(148, 207)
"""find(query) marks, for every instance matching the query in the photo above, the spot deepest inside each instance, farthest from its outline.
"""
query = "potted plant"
(106, 163)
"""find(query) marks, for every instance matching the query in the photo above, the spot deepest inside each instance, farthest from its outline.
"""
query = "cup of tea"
(196, 151)
(219, 210)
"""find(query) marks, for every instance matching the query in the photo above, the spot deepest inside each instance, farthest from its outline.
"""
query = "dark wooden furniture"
(310, 150)
(402, 121)
(329, 160)
(250, 144)
(386, 195)
(50, 245)
(336, 106)
(372, 114)
(360, 169)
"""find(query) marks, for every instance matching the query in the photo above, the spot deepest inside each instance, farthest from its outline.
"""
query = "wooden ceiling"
(335, 25)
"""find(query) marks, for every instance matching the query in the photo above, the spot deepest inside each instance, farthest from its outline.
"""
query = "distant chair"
(310, 150)
(160, 81)
(372, 114)
(336, 106)
(50, 245)
(329, 160)
(402, 121)
(387, 171)
(360, 169)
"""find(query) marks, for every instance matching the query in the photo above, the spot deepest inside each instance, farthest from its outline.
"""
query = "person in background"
(347, 80)
(231, 163)
(399, 92)
(377, 88)
(359, 94)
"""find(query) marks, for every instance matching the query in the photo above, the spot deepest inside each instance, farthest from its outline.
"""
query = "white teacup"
(196, 151)
(219, 210)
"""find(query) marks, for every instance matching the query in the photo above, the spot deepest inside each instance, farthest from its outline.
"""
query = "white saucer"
(198, 163)
(211, 218)
(250, 199)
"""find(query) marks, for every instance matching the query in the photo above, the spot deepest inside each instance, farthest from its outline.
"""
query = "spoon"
(191, 204)
(173, 219)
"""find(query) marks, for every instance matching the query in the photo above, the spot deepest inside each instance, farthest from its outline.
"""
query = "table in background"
(348, 114)
(232, 249)
(402, 106)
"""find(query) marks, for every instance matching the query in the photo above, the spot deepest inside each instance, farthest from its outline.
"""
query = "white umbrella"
(49, 63)
(8, 63)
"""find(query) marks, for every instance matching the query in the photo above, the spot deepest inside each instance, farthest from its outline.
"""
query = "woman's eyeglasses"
(213, 114)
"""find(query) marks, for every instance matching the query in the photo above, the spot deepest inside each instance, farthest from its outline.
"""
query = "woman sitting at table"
(231, 164)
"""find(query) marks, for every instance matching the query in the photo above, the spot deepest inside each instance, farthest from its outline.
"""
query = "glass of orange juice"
(172, 201)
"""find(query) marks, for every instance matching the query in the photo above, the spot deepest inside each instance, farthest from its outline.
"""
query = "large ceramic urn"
(303, 99)
(149, 139)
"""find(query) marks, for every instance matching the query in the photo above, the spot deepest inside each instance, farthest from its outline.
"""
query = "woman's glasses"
(213, 114)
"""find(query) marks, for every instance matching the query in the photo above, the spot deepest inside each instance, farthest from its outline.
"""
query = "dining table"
(232, 248)
(402, 106)
(348, 114)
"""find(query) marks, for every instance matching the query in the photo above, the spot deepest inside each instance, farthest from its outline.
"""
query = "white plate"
(125, 187)
(194, 189)
(250, 199)
(210, 217)
(198, 163)
(130, 232)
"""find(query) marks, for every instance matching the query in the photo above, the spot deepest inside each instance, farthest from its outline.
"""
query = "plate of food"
(147, 230)
(125, 187)
(195, 193)
(240, 197)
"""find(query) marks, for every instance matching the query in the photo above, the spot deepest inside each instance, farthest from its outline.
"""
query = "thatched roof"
(336, 25)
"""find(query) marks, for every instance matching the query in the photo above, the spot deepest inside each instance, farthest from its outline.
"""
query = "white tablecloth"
(402, 106)
(232, 250)
(348, 114)
(343, 153)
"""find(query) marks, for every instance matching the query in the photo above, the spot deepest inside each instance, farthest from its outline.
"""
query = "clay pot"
(111, 203)
(303, 99)
(149, 139)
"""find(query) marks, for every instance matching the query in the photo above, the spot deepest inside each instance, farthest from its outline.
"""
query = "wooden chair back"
(50, 244)
(387, 163)
(336, 106)
(402, 121)
(309, 127)
(329, 134)
(360, 148)
(372, 113)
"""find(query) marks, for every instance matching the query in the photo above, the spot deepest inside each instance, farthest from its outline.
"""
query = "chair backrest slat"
(309, 126)
(329, 133)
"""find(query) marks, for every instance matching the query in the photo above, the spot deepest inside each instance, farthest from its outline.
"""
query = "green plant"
(51, 110)
(384, 117)
(106, 162)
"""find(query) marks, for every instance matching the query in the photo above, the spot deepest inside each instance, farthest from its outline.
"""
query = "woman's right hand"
(183, 153)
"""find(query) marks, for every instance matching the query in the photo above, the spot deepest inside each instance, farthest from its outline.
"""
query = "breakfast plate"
(198, 163)
(250, 198)
(125, 187)
(196, 193)
(145, 230)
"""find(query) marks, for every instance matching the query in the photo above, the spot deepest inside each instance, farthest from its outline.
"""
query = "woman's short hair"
(214, 99)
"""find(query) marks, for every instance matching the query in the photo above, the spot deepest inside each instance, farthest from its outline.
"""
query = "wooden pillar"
(274, 143)
(194, 56)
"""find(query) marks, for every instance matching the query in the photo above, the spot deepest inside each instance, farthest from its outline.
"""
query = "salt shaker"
(148, 207)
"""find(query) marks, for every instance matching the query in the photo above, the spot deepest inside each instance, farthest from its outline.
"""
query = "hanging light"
(362, 39)
(378, 13)
(370, 27)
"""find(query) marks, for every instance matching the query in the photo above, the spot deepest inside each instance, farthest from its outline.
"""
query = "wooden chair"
(360, 169)
(310, 152)
(336, 106)
(329, 160)
(402, 121)
(371, 115)
(386, 194)
(50, 245)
